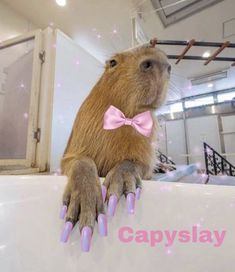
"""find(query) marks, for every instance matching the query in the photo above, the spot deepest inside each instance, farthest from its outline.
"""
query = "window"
(176, 107)
(197, 102)
(171, 11)
(225, 96)
(163, 110)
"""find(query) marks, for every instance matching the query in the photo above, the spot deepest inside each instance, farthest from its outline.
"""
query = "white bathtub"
(30, 229)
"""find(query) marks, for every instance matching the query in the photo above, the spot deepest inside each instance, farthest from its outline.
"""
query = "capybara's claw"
(66, 232)
(86, 235)
(103, 225)
(138, 193)
(63, 212)
(130, 200)
(104, 192)
(112, 205)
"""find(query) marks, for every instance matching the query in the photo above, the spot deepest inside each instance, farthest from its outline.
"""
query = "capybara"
(134, 81)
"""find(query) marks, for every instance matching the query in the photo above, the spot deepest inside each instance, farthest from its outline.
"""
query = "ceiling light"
(210, 85)
(206, 54)
(208, 78)
(61, 3)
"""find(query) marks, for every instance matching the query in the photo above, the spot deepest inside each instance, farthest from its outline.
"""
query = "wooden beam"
(217, 52)
(186, 49)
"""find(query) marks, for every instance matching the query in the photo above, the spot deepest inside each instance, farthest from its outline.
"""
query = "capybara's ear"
(153, 42)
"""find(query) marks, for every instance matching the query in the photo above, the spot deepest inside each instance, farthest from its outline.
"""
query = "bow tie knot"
(114, 118)
(128, 122)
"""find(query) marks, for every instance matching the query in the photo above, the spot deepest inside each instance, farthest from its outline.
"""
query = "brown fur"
(133, 91)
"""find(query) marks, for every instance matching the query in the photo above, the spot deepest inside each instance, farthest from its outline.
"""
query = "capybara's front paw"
(83, 202)
(123, 179)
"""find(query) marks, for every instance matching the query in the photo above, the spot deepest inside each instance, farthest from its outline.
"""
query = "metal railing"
(216, 164)
(164, 159)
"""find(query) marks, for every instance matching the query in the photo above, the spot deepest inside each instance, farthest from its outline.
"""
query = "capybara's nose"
(147, 65)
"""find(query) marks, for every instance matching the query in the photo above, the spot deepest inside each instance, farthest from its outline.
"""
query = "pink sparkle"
(196, 150)
(115, 31)
(165, 188)
(98, 36)
(26, 115)
(168, 251)
(170, 174)
(58, 172)
(77, 62)
(58, 85)
(209, 151)
(61, 119)
(22, 85)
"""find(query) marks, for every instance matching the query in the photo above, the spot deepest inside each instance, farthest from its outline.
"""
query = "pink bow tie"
(114, 118)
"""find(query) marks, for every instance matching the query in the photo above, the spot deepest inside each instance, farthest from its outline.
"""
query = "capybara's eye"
(147, 64)
(113, 62)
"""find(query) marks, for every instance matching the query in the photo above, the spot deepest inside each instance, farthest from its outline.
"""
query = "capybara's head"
(137, 78)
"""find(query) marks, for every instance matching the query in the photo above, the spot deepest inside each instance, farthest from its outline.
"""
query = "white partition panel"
(228, 124)
(162, 141)
(202, 129)
(76, 72)
(176, 141)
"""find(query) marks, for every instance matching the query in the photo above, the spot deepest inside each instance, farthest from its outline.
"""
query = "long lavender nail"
(102, 225)
(130, 203)
(63, 212)
(104, 192)
(137, 193)
(112, 205)
(86, 238)
(66, 232)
